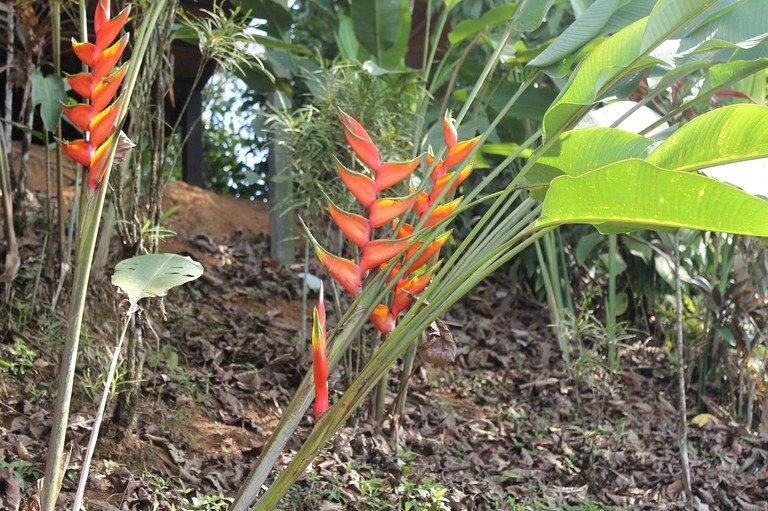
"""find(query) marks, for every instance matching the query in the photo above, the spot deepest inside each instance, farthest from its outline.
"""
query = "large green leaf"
(393, 57)
(579, 151)
(48, 92)
(627, 14)
(620, 55)
(151, 275)
(609, 60)
(586, 27)
(667, 17)
(469, 28)
(633, 194)
(349, 46)
(531, 14)
(726, 135)
(377, 24)
(742, 26)
(278, 17)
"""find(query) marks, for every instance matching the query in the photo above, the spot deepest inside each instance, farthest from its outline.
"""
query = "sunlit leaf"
(726, 135)
(702, 419)
(659, 198)
(578, 151)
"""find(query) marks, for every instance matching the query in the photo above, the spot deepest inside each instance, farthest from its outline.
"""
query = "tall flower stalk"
(100, 121)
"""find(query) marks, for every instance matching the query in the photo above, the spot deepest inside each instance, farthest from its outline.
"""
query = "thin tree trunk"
(9, 57)
(26, 145)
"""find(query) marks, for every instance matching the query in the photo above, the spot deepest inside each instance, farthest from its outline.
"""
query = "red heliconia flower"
(449, 131)
(98, 118)
(384, 253)
(381, 210)
(457, 151)
(320, 356)
(443, 183)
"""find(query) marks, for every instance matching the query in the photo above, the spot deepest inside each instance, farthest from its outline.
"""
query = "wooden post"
(282, 246)
(192, 131)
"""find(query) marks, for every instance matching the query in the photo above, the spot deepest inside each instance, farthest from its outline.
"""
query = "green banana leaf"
(634, 194)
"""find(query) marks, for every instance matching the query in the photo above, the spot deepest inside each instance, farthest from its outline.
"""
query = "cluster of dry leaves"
(503, 426)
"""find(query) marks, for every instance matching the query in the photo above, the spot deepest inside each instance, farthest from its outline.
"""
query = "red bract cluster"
(385, 253)
(98, 118)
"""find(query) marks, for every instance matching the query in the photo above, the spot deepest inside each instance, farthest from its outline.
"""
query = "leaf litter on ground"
(503, 426)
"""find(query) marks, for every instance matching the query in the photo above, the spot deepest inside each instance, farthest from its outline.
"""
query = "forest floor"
(505, 427)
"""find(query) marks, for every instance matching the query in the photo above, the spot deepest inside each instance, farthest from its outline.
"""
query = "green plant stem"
(709, 320)
(381, 397)
(56, 35)
(551, 283)
(86, 247)
(490, 66)
(405, 377)
(100, 413)
(428, 60)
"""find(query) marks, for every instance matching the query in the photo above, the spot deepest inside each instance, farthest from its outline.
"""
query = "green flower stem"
(409, 328)
(489, 66)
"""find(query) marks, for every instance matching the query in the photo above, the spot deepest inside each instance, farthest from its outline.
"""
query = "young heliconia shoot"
(392, 254)
(98, 117)
(319, 356)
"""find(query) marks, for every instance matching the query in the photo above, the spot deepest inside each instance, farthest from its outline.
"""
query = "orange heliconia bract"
(98, 119)
(319, 356)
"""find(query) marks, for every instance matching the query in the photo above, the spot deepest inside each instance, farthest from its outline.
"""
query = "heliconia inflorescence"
(319, 356)
(385, 253)
(97, 119)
